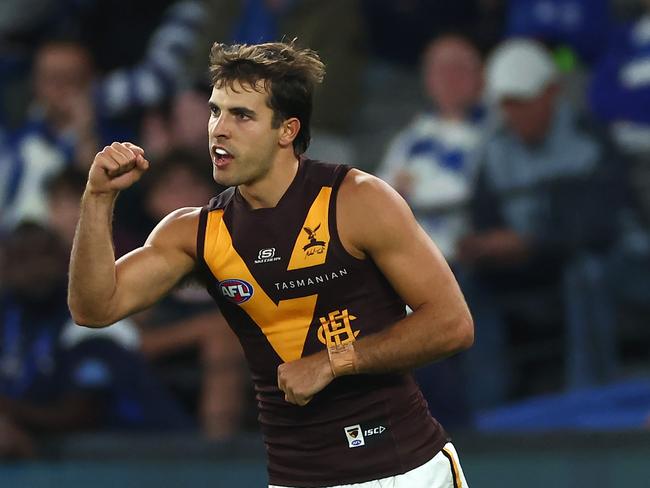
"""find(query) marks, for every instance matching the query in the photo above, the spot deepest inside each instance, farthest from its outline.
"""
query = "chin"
(224, 180)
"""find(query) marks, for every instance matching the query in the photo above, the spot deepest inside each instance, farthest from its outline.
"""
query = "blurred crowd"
(518, 131)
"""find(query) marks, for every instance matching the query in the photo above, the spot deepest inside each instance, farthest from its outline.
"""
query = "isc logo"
(374, 431)
(237, 291)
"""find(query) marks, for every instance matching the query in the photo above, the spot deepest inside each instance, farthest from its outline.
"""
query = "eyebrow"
(235, 110)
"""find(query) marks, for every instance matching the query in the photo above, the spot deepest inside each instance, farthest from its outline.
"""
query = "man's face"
(530, 119)
(452, 75)
(62, 74)
(242, 140)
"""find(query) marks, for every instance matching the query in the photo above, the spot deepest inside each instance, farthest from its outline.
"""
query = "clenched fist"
(116, 167)
(300, 380)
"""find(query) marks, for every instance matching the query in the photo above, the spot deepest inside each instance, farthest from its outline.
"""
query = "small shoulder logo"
(314, 246)
(236, 291)
(354, 435)
(267, 256)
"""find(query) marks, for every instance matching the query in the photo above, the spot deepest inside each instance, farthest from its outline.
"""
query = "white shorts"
(442, 471)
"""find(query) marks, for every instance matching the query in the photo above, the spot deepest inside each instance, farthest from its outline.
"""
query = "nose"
(219, 126)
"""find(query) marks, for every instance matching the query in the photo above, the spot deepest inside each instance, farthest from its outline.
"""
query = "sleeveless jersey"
(286, 285)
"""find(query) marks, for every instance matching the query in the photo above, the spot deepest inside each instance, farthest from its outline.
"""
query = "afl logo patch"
(236, 291)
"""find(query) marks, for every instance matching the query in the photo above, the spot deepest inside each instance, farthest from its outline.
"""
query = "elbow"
(464, 333)
(90, 322)
(84, 319)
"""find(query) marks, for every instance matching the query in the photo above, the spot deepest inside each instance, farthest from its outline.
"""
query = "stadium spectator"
(63, 129)
(430, 162)
(399, 32)
(545, 212)
(55, 376)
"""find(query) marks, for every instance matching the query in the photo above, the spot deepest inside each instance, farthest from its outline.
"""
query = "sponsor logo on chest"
(267, 256)
(311, 280)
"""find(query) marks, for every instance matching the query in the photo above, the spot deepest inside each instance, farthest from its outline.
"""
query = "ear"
(288, 131)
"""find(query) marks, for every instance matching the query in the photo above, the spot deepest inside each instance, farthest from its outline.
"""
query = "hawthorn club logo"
(314, 246)
(354, 435)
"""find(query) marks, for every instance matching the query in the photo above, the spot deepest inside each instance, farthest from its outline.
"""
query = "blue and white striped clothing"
(439, 157)
(164, 67)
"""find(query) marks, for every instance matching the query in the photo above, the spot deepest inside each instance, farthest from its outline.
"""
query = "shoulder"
(178, 229)
(369, 209)
(367, 191)
(185, 216)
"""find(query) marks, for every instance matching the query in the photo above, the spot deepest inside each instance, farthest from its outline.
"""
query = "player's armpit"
(374, 221)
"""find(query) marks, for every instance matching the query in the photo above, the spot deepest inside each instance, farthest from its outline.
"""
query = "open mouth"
(221, 157)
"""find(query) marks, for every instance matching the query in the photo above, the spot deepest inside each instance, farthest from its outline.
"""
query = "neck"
(267, 191)
(453, 112)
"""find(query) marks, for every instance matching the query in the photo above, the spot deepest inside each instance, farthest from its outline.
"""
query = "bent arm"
(440, 324)
(102, 291)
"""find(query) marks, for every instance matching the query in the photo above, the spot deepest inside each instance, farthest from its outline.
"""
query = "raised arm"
(375, 222)
(101, 291)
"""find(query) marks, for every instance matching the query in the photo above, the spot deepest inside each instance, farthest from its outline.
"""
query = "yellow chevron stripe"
(286, 324)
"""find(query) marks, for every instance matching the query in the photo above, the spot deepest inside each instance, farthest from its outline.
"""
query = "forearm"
(420, 338)
(92, 263)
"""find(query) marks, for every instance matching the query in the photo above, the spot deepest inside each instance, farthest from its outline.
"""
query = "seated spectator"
(430, 162)
(184, 336)
(545, 212)
(56, 376)
(63, 129)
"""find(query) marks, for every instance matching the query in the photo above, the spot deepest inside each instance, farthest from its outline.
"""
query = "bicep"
(143, 276)
(402, 251)
(414, 266)
(146, 274)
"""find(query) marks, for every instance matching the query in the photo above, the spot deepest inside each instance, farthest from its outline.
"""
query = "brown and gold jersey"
(287, 286)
